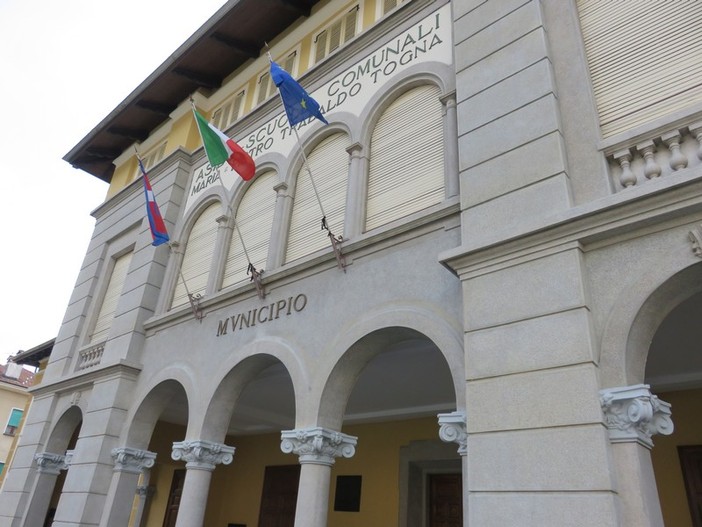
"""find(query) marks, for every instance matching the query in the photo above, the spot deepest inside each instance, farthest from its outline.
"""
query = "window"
(389, 5)
(195, 268)
(254, 219)
(265, 87)
(329, 164)
(645, 59)
(151, 158)
(109, 301)
(406, 167)
(13, 422)
(338, 33)
(229, 112)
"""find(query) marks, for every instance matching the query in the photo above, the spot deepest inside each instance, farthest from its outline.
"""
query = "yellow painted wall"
(235, 490)
(10, 397)
(686, 407)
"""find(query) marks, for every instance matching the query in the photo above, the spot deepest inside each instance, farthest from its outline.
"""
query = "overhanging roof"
(235, 34)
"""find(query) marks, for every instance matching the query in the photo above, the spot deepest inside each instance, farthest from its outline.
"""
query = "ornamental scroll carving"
(318, 445)
(48, 463)
(132, 460)
(204, 455)
(634, 414)
(453, 429)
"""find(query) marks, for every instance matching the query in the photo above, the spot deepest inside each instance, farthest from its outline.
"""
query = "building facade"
(14, 400)
(497, 328)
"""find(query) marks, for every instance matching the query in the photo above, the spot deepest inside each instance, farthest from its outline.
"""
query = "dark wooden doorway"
(691, 463)
(445, 500)
(279, 496)
(169, 520)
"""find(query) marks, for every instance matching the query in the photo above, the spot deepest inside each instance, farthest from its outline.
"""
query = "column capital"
(203, 455)
(317, 445)
(48, 463)
(634, 414)
(132, 460)
(453, 428)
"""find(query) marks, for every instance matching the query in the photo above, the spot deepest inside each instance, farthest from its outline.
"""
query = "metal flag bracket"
(256, 279)
(195, 306)
(336, 245)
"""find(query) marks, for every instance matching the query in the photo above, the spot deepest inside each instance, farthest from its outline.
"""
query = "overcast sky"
(64, 65)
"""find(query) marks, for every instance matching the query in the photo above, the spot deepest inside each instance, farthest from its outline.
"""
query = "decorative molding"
(132, 460)
(48, 463)
(145, 491)
(453, 429)
(318, 445)
(634, 414)
(695, 237)
(202, 455)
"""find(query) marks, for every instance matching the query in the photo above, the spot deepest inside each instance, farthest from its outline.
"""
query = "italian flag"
(220, 149)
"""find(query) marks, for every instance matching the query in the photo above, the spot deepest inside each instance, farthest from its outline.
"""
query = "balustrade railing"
(656, 157)
(89, 357)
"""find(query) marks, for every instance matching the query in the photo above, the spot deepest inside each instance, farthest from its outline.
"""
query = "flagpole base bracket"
(256, 279)
(336, 246)
(195, 306)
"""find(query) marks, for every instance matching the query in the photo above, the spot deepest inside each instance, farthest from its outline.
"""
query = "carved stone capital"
(634, 414)
(48, 463)
(203, 455)
(452, 428)
(317, 445)
(695, 237)
(132, 460)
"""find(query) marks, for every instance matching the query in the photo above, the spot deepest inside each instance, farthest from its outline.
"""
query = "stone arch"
(637, 315)
(367, 338)
(64, 429)
(243, 367)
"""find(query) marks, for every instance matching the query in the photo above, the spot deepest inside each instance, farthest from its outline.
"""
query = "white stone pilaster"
(48, 463)
(634, 414)
(49, 466)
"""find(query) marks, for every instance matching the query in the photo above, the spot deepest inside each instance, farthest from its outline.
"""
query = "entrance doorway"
(445, 500)
(279, 496)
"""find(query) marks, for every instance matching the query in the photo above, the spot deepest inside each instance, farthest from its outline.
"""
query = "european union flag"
(298, 104)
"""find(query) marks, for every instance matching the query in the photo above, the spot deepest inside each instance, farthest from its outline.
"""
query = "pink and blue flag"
(158, 227)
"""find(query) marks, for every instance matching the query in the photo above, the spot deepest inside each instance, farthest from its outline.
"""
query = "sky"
(64, 66)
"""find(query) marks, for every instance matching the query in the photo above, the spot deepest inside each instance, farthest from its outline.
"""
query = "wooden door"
(691, 462)
(445, 500)
(279, 496)
(169, 520)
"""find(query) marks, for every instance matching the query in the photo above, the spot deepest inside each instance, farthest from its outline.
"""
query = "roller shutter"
(330, 165)
(406, 171)
(111, 298)
(254, 217)
(645, 58)
(197, 258)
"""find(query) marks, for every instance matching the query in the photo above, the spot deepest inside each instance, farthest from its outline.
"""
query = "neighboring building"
(518, 185)
(14, 401)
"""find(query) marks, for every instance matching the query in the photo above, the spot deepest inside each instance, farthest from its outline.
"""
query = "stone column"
(281, 224)
(201, 458)
(145, 492)
(453, 429)
(632, 416)
(317, 448)
(49, 466)
(130, 463)
(225, 229)
(450, 116)
(357, 192)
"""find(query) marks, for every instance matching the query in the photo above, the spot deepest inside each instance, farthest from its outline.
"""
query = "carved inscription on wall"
(260, 315)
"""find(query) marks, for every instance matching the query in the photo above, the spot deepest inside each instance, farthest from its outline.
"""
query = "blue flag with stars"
(298, 104)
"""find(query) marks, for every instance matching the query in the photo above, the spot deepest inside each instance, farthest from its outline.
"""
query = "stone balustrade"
(656, 157)
(89, 357)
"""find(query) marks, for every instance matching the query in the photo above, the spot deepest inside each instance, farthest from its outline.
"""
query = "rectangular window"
(336, 35)
(389, 5)
(229, 112)
(13, 422)
(265, 87)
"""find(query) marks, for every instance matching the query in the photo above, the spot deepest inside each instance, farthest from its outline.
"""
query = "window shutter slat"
(254, 217)
(645, 59)
(111, 298)
(406, 169)
(197, 258)
(329, 165)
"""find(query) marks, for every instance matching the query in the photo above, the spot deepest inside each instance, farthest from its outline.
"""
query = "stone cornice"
(202, 455)
(318, 446)
(619, 214)
(633, 414)
(83, 379)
